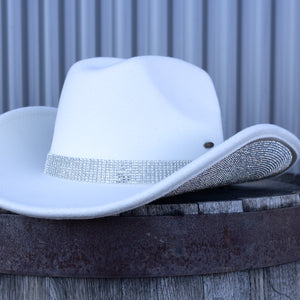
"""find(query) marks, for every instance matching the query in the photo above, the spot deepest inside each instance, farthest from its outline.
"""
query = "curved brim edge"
(142, 196)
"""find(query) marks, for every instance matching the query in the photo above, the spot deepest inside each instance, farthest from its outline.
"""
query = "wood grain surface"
(277, 282)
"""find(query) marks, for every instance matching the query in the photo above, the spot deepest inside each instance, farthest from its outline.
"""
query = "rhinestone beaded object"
(258, 159)
(111, 171)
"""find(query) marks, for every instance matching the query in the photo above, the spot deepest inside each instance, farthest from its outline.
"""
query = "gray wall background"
(251, 49)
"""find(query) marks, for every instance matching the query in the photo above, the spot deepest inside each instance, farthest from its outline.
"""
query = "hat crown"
(143, 108)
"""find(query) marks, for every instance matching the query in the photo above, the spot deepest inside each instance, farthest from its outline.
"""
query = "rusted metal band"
(118, 247)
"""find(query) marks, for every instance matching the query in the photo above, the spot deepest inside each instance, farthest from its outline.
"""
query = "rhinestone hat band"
(258, 159)
(111, 171)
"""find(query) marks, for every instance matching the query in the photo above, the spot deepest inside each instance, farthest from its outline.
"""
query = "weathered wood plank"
(173, 288)
(282, 282)
(164, 209)
(254, 204)
(81, 288)
(23, 287)
(227, 286)
(257, 290)
(278, 282)
(217, 207)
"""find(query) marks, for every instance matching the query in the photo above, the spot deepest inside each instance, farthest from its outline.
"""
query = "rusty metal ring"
(117, 247)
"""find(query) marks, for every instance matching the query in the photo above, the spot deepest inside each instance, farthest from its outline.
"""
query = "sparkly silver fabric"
(111, 171)
(256, 160)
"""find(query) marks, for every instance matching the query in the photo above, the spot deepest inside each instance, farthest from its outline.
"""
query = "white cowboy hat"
(127, 132)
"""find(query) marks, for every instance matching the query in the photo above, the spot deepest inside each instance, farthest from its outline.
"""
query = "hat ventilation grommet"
(209, 145)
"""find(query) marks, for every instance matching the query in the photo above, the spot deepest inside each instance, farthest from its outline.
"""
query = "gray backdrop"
(251, 48)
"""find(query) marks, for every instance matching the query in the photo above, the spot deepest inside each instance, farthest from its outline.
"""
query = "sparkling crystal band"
(111, 171)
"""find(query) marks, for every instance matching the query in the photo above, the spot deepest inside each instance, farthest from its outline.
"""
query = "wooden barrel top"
(276, 282)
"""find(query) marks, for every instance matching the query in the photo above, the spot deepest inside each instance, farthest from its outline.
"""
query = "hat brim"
(25, 139)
